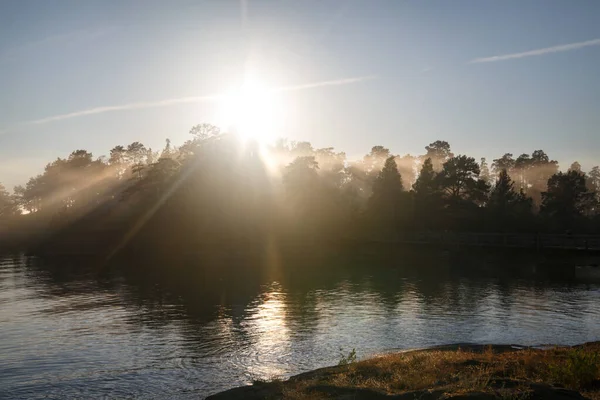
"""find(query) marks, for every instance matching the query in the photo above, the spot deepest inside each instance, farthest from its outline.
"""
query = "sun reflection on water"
(267, 326)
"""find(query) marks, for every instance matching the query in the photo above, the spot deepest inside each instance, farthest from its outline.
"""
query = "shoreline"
(461, 370)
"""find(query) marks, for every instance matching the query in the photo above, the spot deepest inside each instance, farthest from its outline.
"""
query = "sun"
(251, 112)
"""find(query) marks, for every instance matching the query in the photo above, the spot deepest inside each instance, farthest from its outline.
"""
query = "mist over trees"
(216, 189)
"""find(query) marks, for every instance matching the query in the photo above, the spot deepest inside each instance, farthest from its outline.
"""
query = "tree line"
(215, 189)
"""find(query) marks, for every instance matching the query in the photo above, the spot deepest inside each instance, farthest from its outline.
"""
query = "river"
(80, 332)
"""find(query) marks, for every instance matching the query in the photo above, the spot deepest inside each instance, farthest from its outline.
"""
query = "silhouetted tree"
(463, 193)
(521, 171)
(426, 184)
(503, 193)
(439, 152)
(531, 173)
(459, 179)
(136, 153)
(8, 206)
(506, 162)
(427, 197)
(386, 200)
(214, 191)
(388, 184)
(30, 196)
(567, 200)
(542, 168)
(363, 173)
(203, 132)
(118, 161)
(160, 175)
(508, 208)
(136, 156)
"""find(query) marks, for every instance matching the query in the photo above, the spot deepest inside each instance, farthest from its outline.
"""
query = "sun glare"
(251, 112)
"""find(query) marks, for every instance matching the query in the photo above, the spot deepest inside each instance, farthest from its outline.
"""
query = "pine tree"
(387, 193)
(388, 181)
(508, 208)
(426, 183)
(503, 192)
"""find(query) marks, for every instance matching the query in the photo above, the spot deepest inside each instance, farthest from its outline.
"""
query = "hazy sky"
(488, 76)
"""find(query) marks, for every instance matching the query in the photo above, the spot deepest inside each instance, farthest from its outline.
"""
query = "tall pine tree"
(426, 184)
(386, 200)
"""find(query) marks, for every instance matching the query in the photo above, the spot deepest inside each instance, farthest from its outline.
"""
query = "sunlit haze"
(488, 77)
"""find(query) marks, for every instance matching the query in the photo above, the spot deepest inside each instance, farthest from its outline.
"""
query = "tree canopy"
(215, 189)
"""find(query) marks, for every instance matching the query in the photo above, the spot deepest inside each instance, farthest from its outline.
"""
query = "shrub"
(580, 369)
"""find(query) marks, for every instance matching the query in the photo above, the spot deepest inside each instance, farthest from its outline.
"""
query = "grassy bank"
(475, 372)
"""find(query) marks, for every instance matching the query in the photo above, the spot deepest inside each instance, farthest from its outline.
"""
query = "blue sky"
(65, 57)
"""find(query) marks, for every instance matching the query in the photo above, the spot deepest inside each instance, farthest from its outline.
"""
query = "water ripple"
(82, 335)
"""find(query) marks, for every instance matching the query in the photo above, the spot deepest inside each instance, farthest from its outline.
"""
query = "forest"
(217, 192)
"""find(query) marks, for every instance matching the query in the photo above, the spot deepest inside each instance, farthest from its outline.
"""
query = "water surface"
(76, 331)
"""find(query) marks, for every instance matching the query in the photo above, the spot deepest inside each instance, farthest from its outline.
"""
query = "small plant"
(347, 359)
(581, 368)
